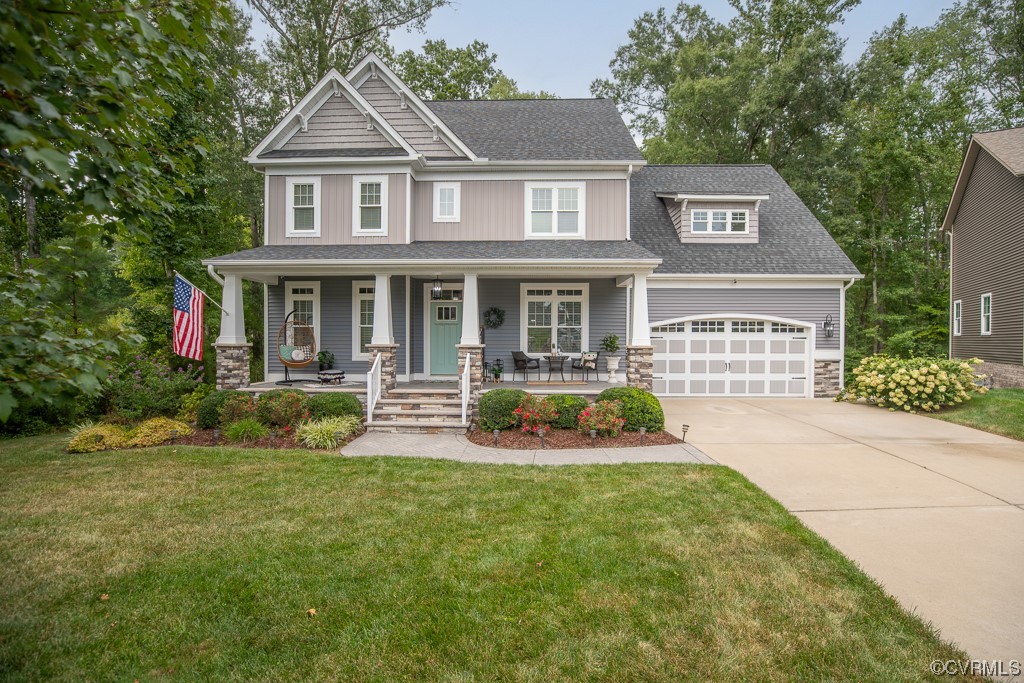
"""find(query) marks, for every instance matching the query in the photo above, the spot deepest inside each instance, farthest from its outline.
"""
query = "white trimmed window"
(555, 210)
(986, 314)
(303, 214)
(362, 318)
(554, 314)
(369, 205)
(447, 202)
(958, 309)
(719, 221)
(304, 299)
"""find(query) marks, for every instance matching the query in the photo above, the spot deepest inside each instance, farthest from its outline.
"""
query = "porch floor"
(591, 388)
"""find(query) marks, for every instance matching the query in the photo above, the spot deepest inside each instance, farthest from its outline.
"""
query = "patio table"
(560, 361)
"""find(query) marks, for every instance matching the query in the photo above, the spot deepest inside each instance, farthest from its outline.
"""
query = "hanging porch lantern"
(436, 287)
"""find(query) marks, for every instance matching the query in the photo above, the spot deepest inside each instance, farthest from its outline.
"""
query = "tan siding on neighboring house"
(409, 125)
(681, 219)
(336, 212)
(988, 256)
(337, 125)
(494, 210)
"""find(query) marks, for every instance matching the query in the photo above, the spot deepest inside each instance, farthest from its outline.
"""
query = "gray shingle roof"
(546, 250)
(791, 241)
(556, 130)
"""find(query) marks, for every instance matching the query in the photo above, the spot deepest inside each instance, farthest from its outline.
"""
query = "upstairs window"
(555, 210)
(958, 309)
(986, 314)
(303, 213)
(447, 200)
(370, 205)
(721, 221)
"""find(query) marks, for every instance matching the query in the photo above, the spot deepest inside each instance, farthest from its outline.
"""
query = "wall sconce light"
(829, 326)
(436, 287)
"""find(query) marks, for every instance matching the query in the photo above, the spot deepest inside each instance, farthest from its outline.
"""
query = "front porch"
(358, 387)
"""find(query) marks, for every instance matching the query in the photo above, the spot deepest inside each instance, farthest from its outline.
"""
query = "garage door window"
(708, 326)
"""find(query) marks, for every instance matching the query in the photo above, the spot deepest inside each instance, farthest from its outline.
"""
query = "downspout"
(629, 174)
(949, 308)
(842, 336)
(213, 275)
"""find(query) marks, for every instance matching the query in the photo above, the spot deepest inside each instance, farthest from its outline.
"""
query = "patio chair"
(523, 362)
(586, 363)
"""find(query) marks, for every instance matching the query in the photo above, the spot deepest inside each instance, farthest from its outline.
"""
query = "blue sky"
(562, 45)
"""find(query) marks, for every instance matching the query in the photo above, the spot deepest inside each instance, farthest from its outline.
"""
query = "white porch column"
(641, 321)
(382, 326)
(232, 318)
(470, 310)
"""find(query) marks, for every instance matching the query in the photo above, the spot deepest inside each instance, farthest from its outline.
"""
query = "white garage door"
(732, 357)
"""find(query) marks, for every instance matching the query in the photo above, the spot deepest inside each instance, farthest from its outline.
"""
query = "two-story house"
(985, 221)
(393, 225)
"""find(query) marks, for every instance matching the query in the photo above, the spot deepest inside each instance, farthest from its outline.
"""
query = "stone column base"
(388, 364)
(640, 367)
(233, 365)
(827, 381)
(476, 372)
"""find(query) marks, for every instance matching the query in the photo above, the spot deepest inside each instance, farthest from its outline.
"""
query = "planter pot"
(613, 368)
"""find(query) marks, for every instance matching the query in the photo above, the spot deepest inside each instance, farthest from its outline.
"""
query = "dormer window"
(710, 220)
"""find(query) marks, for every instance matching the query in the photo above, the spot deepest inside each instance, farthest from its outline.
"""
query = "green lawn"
(1000, 411)
(422, 570)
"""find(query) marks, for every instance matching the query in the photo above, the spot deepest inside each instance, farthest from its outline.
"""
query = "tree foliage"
(448, 73)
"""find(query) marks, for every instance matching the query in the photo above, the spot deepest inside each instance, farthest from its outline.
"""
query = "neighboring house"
(986, 223)
(392, 224)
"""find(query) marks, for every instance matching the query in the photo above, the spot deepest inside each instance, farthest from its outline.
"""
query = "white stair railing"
(465, 386)
(372, 388)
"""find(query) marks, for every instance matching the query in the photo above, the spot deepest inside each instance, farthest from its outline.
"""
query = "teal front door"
(445, 333)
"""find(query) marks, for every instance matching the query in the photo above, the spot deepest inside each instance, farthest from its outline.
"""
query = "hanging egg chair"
(296, 345)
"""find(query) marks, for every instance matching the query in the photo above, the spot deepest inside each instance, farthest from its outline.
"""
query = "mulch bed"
(204, 437)
(570, 438)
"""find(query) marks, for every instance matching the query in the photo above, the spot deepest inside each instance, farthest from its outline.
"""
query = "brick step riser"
(424, 396)
(416, 429)
(418, 408)
(417, 417)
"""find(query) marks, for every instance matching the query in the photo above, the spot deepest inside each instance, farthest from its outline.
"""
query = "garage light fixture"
(829, 326)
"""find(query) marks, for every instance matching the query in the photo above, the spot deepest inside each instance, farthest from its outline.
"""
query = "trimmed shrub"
(281, 407)
(639, 408)
(245, 430)
(535, 412)
(208, 410)
(102, 437)
(321, 433)
(604, 417)
(335, 404)
(190, 404)
(912, 384)
(497, 408)
(156, 431)
(147, 386)
(241, 406)
(568, 408)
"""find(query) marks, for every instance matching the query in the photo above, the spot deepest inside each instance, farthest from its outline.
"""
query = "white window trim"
(290, 298)
(356, 183)
(438, 218)
(356, 298)
(528, 188)
(981, 314)
(728, 222)
(958, 310)
(554, 298)
(289, 217)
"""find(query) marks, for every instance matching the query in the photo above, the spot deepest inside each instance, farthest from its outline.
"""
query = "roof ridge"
(706, 165)
(526, 99)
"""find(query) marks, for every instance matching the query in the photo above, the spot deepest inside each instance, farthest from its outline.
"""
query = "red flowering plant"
(534, 413)
(603, 417)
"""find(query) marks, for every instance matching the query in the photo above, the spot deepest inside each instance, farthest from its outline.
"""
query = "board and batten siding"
(337, 125)
(335, 323)
(607, 315)
(807, 305)
(406, 122)
(682, 221)
(988, 257)
(495, 210)
(336, 212)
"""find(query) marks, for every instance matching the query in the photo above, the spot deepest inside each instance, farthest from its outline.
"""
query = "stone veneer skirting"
(827, 378)
(233, 365)
(388, 364)
(476, 373)
(640, 367)
(1002, 375)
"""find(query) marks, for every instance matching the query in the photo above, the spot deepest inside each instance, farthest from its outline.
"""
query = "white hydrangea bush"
(914, 384)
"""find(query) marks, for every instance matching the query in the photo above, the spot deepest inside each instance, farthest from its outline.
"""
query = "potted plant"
(326, 360)
(610, 345)
(496, 371)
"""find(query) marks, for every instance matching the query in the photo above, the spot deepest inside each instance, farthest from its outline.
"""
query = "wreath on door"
(494, 317)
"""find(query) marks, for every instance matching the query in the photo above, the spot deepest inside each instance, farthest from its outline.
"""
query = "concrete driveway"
(931, 510)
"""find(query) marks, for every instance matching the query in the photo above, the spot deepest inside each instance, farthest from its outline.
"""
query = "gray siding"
(337, 125)
(406, 122)
(988, 257)
(335, 323)
(808, 305)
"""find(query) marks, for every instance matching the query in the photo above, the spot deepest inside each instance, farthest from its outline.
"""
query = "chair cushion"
(285, 351)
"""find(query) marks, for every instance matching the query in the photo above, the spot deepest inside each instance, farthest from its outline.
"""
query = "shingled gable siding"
(988, 257)
(808, 305)
(493, 210)
(607, 314)
(409, 125)
(337, 125)
(336, 208)
(336, 323)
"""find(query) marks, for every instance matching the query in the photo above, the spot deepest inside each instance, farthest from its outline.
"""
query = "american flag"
(188, 319)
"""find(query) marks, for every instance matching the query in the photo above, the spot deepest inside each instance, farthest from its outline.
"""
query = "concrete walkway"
(931, 510)
(456, 447)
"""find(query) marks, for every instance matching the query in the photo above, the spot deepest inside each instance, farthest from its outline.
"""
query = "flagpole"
(202, 292)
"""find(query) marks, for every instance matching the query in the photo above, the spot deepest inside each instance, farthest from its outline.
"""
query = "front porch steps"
(423, 410)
